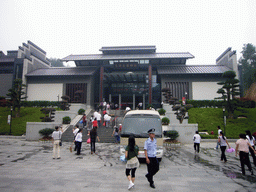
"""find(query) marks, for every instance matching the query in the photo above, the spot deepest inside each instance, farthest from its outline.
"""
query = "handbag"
(231, 150)
(89, 140)
(122, 158)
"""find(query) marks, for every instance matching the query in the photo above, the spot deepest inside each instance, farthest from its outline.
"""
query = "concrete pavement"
(28, 166)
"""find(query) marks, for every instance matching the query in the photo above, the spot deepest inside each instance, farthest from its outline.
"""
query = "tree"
(56, 62)
(248, 62)
(49, 114)
(181, 111)
(229, 91)
(16, 95)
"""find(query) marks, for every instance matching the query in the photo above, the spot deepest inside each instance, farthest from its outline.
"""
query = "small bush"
(66, 120)
(161, 111)
(165, 121)
(46, 132)
(150, 105)
(81, 111)
(172, 134)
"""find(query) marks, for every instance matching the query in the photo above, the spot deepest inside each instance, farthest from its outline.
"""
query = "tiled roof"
(122, 48)
(192, 69)
(185, 55)
(63, 71)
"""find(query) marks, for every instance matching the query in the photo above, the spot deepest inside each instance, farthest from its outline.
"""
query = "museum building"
(126, 76)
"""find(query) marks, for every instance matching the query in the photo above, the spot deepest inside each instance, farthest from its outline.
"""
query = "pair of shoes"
(130, 186)
(58, 158)
(53, 158)
(152, 186)
(252, 172)
(225, 161)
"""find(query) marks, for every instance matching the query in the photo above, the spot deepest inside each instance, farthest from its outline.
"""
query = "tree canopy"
(229, 91)
(248, 62)
(16, 95)
(56, 62)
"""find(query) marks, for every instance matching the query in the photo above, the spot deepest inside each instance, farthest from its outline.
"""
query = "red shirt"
(95, 123)
(84, 118)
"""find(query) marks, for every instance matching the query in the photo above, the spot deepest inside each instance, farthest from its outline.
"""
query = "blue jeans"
(217, 144)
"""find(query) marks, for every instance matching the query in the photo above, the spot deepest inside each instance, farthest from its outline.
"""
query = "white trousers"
(56, 149)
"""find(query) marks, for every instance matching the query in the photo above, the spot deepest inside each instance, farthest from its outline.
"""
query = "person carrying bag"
(56, 135)
(131, 153)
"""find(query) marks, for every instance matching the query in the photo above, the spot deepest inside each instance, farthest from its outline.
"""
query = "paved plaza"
(28, 166)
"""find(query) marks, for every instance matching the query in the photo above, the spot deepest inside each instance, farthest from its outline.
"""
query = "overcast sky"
(203, 28)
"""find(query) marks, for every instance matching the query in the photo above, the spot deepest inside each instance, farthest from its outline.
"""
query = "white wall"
(205, 90)
(45, 92)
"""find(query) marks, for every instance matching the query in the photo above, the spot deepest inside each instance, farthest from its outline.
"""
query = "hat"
(151, 131)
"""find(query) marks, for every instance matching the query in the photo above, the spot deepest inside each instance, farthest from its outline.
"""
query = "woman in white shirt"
(251, 140)
(78, 141)
(56, 135)
(223, 145)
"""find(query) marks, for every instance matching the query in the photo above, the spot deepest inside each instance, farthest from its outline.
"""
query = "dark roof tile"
(63, 71)
(192, 69)
(185, 55)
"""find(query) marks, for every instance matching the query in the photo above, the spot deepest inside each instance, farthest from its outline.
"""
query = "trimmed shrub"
(46, 132)
(165, 121)
(161, 111)
(66, 120)
(172, 134)
(81, 111)
(150, 105)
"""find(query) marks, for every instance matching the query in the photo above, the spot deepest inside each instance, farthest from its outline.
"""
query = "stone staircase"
(105, 134)
(67, 129)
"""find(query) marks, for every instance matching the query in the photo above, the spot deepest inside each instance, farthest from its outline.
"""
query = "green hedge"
(39, 103)
(219, 104)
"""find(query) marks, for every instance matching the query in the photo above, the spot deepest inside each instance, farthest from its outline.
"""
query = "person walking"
(56, 135)
(116, 134)
(78, 141)
(93, 137)
(242, 145)
(131, 154)
(219, 130)
(84, 120)
(197, 139)
(150, 154)
(95, 123)
(251, 140)
(223, 145)
(75, 131)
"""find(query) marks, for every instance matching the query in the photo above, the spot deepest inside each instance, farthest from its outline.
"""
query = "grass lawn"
(18, 126)
(209, 118)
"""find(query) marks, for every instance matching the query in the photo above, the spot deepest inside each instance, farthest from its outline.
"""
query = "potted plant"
(81, 111)
(46, 133)
(173, 135)
(161, 111)
(66, 120)
(165, 121)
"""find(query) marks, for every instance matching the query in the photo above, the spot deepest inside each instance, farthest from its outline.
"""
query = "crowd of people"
(244, 145)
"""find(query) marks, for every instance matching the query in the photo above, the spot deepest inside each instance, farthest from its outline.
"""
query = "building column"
(109, 99)
(133, 102)
(101, 83)
(120, 99)
(150, 84)
(143, 103)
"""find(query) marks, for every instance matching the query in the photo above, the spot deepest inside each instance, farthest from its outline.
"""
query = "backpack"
(116, 130)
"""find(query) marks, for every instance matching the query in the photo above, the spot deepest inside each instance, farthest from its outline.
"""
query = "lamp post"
(11, 123)
(224, 121)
